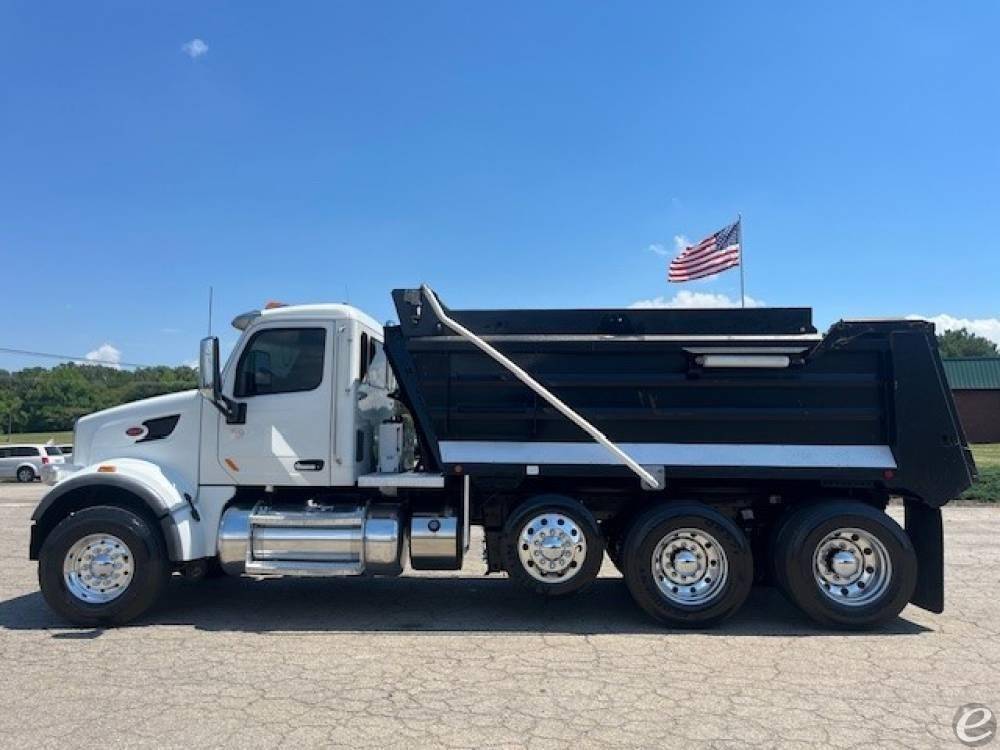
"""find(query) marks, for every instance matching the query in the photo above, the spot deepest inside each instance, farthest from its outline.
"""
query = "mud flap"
(923, 524)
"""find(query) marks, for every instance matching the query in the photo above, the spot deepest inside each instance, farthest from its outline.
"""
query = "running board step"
(304, 569)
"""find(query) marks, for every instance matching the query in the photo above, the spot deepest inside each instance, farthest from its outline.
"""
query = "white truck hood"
(124, 431)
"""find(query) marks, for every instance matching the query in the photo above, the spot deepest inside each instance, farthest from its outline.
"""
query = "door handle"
(310, 464)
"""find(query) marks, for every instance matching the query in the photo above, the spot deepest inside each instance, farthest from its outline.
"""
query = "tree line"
(39, 399)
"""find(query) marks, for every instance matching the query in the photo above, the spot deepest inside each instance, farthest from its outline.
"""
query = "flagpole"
(743, 295)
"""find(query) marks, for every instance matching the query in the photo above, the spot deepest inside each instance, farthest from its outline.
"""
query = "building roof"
(972, 373)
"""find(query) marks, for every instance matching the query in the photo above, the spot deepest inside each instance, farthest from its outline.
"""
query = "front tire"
(845, 565)
(687, 565)
(25, 474)
(102, 566)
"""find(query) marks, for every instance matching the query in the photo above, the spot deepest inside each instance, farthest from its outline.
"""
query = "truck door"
(284, 375)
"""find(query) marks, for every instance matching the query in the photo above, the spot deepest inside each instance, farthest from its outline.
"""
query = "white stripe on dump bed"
(671, 454)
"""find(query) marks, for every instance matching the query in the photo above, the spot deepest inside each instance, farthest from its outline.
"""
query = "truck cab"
(295, 379)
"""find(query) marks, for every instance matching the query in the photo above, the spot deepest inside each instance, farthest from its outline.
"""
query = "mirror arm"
(235, 412)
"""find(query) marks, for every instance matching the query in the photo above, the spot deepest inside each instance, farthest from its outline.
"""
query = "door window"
(281, 360)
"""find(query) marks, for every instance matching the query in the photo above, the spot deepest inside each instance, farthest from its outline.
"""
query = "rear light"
(45, 459)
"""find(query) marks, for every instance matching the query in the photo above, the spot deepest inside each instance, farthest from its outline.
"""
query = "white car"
(25, 462)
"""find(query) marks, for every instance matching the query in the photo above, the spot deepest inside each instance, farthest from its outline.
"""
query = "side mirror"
(210, 382)
(208, 368)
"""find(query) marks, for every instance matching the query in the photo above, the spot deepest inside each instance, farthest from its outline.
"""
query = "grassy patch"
(987, 489)
(37, 437)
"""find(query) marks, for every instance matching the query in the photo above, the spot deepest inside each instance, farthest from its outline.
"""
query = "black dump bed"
(752, 393)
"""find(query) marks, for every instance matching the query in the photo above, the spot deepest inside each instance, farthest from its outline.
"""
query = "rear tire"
(25, 474)
(551, 546)
(687, 565)
(102, 566)
(846, 565)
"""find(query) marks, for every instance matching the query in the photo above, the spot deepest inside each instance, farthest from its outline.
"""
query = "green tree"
(52, 399)
(11, 408)
(963, 343)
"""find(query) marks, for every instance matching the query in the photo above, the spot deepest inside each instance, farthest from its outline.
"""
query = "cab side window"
(281, 360)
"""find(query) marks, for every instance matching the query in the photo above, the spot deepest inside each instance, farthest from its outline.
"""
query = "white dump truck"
(703, 450)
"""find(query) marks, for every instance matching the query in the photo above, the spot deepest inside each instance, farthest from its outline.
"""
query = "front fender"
(163, 493)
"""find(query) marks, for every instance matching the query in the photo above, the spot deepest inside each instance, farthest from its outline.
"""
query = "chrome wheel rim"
(690, 567)
(852, 567)
(98, 568)
(551, 547)
(25, 475)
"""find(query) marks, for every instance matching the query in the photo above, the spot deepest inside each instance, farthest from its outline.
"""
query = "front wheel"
(846, 565)
(102, 566)
(687, 565)
(25, 474)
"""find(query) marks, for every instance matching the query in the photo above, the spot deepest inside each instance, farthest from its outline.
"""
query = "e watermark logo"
(974, 724)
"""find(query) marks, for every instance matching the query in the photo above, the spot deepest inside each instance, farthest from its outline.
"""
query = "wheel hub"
(851, 566)
(102, 566)
(844, 563)
(551, 547)
(690, 566)
(685, 562)
(98, 568)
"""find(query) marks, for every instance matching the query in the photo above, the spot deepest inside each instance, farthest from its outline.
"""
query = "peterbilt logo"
(135, 432)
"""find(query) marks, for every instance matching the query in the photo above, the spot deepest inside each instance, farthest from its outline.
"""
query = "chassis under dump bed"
(725, 394)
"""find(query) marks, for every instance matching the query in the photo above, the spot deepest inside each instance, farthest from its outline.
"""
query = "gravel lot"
(470, 661)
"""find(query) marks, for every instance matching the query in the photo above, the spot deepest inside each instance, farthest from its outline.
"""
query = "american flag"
(715, 253)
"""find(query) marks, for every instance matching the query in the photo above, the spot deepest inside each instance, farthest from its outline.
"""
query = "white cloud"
(986, 327)
(680, 242)
(192, 363)
(106, 355)
(686, 299)
(195, 48)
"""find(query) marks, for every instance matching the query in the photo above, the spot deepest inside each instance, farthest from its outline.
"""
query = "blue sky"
(511, 155)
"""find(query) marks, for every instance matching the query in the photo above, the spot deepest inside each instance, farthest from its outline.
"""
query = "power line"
(68, 358)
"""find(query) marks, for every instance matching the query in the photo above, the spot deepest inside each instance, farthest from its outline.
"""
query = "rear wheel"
(551, 546)
(846, 565)
(25, 474)
(687, 565)
(102, 566)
